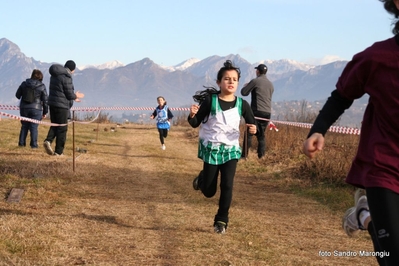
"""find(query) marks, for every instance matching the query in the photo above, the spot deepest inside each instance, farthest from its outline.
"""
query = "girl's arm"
(249, 117)
(247, 113)
(170, 115)
(203, 111)
(334, 107)
(154, 114)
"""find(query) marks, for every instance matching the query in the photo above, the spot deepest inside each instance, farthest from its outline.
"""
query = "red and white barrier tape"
(94, 109)
(30, 120)
(22, 118)
(337, 129)
(272, 126)
(8, 107)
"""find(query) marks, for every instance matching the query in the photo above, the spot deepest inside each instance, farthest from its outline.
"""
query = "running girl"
(164, 116)
(219, 113)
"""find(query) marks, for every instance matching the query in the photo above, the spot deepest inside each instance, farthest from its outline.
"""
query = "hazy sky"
(172, 31)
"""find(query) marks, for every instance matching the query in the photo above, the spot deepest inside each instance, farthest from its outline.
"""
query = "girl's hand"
(313, 145)
(193, 110)
(251, 129)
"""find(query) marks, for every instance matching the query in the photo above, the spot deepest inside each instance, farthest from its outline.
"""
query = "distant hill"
(138, 84)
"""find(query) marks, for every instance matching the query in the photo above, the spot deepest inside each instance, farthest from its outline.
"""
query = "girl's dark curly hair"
(228, 65)
(200, 96)
(390, 7)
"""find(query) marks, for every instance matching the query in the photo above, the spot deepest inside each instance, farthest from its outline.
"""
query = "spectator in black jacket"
(33, 95)
(61, 97)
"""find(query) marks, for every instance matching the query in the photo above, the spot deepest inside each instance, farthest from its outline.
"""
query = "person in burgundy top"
(375, 168)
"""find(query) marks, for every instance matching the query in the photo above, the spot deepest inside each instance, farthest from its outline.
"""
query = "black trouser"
(208, 182)
(261, 126)
(163, 133)
(384, 228)
(58, 116)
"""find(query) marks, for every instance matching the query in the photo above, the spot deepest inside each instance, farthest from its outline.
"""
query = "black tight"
(384, 228)
(208, 181)
(163, 133)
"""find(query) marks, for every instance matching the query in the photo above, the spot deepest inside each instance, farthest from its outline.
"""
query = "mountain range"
(138, 84)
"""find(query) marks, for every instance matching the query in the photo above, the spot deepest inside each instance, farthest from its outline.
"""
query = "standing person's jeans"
(260, 132)
(29, 127)
(58, 116)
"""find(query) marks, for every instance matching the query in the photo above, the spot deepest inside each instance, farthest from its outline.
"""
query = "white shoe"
(359, 193)
(362, 204)
(163, 147)
(350, 222)
(47, 147)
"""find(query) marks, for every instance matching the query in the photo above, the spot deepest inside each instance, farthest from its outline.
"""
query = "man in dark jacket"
(261, 90)
(60, 100)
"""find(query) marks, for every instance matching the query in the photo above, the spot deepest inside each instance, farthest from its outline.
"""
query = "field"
(127, 202)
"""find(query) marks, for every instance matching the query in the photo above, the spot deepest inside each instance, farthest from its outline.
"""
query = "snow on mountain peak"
(108, 65)
(186, 64)
(182, 66)
(284, 65)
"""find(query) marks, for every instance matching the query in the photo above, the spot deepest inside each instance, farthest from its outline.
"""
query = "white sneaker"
(163, 147)
(47, 147)
(350, 222)
(358, 193)
(361, 205)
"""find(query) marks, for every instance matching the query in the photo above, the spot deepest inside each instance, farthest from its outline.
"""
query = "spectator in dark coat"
(33, 95)
(61, 97)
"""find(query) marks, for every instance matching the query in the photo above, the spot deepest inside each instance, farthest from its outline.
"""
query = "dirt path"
(268, 226)
(137, 207)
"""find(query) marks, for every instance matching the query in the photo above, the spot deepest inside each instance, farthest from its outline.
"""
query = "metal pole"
(98, 128)
(245, 144)
(73, 139)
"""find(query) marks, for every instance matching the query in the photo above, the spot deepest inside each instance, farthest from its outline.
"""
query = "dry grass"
(130, 203)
